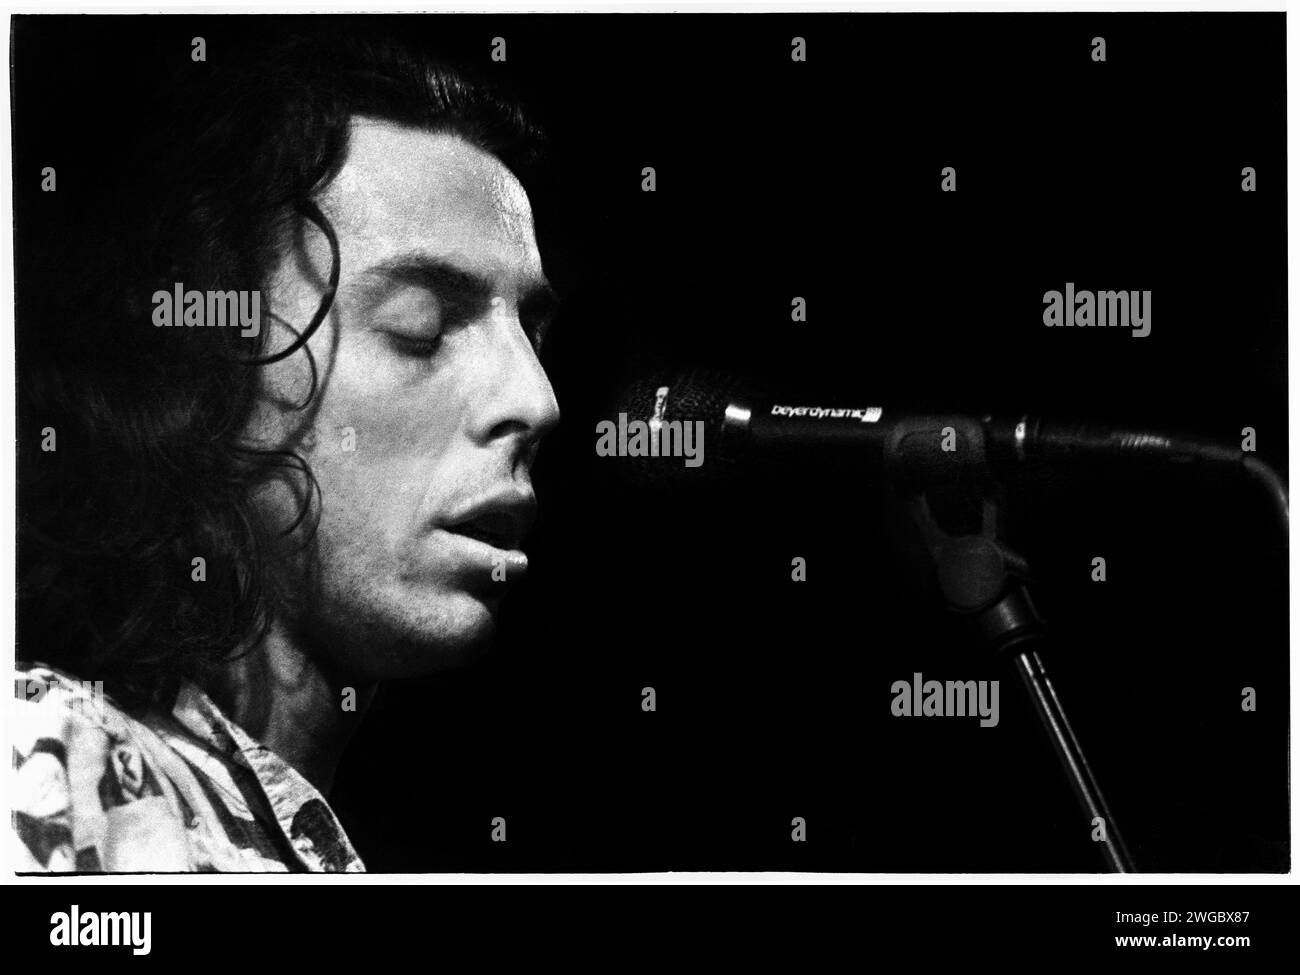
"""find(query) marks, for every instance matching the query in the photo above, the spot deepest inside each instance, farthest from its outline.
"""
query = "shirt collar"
(301, 812)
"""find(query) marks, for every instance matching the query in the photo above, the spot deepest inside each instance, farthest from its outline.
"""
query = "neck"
(290, 701)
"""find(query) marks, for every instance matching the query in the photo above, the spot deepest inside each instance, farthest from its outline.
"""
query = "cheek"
(368, 514)
(395, 411)
(384, 427)
(382, 456)
(381, 441)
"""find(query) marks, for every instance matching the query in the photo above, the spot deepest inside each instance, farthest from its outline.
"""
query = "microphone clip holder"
(986, 583)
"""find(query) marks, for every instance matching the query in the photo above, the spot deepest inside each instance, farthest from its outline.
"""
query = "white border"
(7, 477)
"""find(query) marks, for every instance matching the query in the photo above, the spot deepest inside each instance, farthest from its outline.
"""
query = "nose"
(519, 402)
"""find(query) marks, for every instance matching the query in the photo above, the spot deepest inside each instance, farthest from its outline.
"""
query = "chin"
(463, 634)
(426, 636)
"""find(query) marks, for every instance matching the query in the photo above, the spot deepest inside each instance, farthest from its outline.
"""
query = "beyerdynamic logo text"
(871, 414)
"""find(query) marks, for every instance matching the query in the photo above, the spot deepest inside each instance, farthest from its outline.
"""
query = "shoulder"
(79, 761)
(52, 705)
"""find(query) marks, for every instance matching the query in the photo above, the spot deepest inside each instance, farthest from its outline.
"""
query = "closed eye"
(416, 348)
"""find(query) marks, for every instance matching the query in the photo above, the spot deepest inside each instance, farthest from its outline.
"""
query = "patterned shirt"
(98, 791)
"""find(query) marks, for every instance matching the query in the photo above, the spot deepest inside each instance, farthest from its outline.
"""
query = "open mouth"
(494, 528)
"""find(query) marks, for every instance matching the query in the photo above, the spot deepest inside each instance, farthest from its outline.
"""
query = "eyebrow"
(538, 299)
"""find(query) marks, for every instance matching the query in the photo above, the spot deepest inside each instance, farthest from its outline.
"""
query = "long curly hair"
(147, 469)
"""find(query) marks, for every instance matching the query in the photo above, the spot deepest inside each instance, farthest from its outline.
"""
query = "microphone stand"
(985, 582)
(980, 577)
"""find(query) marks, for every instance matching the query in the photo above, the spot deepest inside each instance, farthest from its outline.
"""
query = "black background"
(821, 180)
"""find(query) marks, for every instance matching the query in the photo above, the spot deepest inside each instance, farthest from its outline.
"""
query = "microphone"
(916, 449)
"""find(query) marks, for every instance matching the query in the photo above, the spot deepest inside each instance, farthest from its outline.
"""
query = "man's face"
(430, 405)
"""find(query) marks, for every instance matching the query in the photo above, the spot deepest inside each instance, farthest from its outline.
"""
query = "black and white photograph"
(826, 444)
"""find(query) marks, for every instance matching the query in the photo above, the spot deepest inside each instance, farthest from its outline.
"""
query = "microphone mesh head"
(693, 394)
(698, 397)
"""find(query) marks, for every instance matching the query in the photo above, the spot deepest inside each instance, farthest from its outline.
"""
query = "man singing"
(230, 536)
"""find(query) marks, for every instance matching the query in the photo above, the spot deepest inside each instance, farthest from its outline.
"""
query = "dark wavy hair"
(148, 469)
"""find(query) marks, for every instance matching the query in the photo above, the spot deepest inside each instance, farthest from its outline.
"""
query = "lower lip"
(480, 556)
